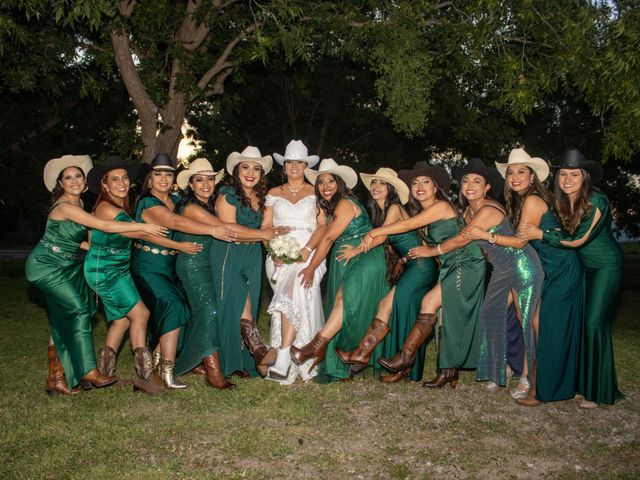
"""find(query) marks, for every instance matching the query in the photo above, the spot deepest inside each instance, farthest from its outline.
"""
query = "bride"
(296, 312)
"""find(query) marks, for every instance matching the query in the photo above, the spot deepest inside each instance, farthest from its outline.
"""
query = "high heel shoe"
(94, 379)
(522, 389)
(283, 362)
(315, 349)
(446, 375)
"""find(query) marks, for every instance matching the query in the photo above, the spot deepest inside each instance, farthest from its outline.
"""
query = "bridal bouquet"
(285, 248)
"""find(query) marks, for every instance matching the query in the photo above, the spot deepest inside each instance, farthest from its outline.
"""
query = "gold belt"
(154, 250)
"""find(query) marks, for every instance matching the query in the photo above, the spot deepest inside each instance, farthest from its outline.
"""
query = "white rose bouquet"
(285, 248)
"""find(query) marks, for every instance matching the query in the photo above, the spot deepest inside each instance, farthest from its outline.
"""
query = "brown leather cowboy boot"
(56, 384)
(394, 377)
(446, 375)
(214, 375)
(315, 349)
(145, 375)
(418, 334)
(107, 361)
(263, 355)
(362, 354)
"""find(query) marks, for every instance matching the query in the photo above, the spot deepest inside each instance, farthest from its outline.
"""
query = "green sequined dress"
(196, 275)
(237, 273)
(602, 260)
(153, 270)
(364, 283)
(53, 267)
(107, 270)
(461, 278)
(418, 277)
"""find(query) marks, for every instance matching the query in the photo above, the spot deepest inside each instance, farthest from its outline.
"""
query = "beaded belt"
(57, 250)
(112, 251)
(154, 250)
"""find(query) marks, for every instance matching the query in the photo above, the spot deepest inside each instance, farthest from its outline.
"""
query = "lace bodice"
(300, 216)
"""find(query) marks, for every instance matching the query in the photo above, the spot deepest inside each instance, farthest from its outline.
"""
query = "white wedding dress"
(303, 307)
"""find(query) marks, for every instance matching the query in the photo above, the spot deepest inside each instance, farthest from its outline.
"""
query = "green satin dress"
(602, 260)
(561, 309)
(364, 283)
(462, 280)
(237, 273)
(107, 270)
(196, 275)
(418, 277)
(153, 269)
(53, 267)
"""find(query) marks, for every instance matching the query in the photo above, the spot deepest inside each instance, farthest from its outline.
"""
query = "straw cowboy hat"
(391, 177)
(328, 165)
(519, 157)
(200, 166)
(249, 154)
(113, 162)
(573, 158)
(422, 169)
(296, 150)
(490, 174)
(56, 165)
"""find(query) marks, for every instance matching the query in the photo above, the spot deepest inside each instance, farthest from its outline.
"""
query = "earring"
(106, 189)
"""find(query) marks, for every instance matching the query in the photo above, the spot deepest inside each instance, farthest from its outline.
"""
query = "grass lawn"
(262, 430)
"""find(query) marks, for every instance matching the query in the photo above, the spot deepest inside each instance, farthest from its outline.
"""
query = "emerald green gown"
(237, 273)
(418, 277)
(196, 275)
(561, 309)
(153, 270)
(107, 270)
(602, 259)
(462, 280)
(364, 283)
(53, 267)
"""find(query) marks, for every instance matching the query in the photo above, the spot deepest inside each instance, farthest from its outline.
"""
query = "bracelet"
(307, 248)
(439, 249)
(493, 238)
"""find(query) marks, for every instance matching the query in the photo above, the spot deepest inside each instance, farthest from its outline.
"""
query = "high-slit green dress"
(418, 277)
(602, 259)
(53, 267)
(364, 283)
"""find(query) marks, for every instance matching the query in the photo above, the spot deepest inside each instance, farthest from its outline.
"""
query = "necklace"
(295, 191)
(472, 212)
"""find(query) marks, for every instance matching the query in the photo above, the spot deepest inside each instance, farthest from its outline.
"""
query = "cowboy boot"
(56, 384)
(199, 370)
(315, 349)
(418, 334)
(362, 354)
(107, 361)
(167, 373)
(530, 400)
(445, 375)
(283, 362)
(214, 375)
(94, 379)
(144, 381)
(395, 377)
(263, 355)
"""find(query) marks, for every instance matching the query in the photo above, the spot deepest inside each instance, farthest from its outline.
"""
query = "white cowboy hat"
(296, 150)
(519, 157)
(328, 165)
(249, 154)
(200, 166)
(391, 177)
(56, 165)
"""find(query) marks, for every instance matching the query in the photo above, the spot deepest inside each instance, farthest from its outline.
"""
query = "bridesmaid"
(107, 271)
(460, 288)
(399, 309)
(354, 288)
(585, 215)
(153, 266)
(53, 268)
(237, 266)
(296, 312)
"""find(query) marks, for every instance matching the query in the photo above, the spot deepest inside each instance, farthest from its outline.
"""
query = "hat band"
(163, 168)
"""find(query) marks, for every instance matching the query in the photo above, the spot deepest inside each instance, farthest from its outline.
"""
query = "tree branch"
(125, 7)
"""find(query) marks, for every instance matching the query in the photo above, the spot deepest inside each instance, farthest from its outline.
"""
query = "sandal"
(522, 389)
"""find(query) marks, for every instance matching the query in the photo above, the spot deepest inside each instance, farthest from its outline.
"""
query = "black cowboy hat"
(162, 161)
(113, 162)
(573, 158)
(490, 174)
(422, 169)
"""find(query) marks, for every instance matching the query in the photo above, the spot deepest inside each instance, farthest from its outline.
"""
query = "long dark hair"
(378, 216)
(513, 202)
(189, 197)
(105, 196)
(571, 214)
(329, 206)
(58, 191)
(260, 188)
(415, 207)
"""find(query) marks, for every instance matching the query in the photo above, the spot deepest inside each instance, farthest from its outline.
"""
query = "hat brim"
(184, 176)
(594, 169)
(310, 160)
(538, 165)
(347, 174)
(399, 185)
(491, 176)
(95, 175)
(235, 158)
(56, 165)
(438, 174)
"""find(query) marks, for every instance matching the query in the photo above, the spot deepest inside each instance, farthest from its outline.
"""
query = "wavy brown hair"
(513, 202)
(378, 216)
(260, 188)
(571, 214)
(329, 206)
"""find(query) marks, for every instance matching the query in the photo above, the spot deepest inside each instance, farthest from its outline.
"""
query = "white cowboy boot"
(283, 362)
